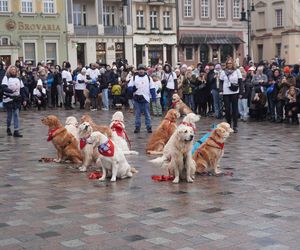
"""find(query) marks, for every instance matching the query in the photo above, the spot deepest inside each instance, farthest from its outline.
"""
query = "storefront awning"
(194, 39)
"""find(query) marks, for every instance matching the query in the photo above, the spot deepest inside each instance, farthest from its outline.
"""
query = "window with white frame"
(140, 19)
(153, 20)
(3, 5)
(221, 8)
(4, 40)
(108, 15)
(204, 8)
(27, 6)
(187, 8)
(278, 18)
(77, 14)
(49, 6)
(29, 52)
(167, 20)
(189, 53)
(50, 53)
(236, 9)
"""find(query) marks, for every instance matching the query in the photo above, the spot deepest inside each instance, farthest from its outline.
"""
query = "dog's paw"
(101, 179)
(113, 179)
(218, 171)
(176, 180)
(82, 169)
(129, 174)
(190, 180)
(57, 160)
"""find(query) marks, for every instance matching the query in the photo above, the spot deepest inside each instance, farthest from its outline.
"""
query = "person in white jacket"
(40, 95)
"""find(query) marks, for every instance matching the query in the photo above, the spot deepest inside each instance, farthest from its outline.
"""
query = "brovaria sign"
(12, 25)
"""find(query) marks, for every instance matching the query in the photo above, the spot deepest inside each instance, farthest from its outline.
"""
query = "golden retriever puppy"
(177, 155)
(64, 142)
(207, 157)
(180, 106)
(71, 125)
(103, 129)
(162, 134)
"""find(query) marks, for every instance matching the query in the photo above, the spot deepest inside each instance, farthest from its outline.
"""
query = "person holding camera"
(142, 87)
(13, 97)
(230, 85)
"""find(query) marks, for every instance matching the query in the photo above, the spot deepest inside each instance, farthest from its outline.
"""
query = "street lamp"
(244, 18)
(125, 4)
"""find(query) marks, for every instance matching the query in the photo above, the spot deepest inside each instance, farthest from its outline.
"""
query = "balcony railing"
(156, 2)
(114, 30)
(89, 30)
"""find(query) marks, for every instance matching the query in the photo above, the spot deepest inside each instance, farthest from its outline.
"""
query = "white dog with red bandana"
(119, 135)
(111, 158)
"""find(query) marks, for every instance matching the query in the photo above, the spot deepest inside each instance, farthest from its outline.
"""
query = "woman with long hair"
(230, 86)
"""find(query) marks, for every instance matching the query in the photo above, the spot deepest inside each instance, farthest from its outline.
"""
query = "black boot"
(17, 134)
(9, 133)
(149, 130)
(137, 130)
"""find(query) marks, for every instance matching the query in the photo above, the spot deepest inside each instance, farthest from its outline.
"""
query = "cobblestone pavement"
(53, 206)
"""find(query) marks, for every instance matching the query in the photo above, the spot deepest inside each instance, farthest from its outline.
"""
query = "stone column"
(146, 59)
(99, 16)
(164, 54)
(134, 55)
(175, 55)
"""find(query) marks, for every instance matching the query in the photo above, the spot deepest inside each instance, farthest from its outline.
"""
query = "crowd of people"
(266, 91)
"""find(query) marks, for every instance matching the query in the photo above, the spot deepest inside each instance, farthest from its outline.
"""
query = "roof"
(210, 39)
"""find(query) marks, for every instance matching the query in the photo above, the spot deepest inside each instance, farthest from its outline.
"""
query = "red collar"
(174, 103)
(51, 132)
(221, 145)
(118, 128)
(83, 142)
(190, 125)
(107, 149)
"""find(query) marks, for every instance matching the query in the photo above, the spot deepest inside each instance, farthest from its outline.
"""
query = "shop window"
(101, 52)
(3, 5)
(51, 54)
(189, 54)
(49, 6)
(226, 51)
(27, 6)
(119, 51)
(29, 53)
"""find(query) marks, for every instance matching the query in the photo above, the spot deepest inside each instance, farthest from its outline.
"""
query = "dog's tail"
(131, 152)
(150, 152)
(158, 160)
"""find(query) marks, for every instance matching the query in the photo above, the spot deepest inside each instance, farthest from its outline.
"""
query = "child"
(156, 106)
(40, 95)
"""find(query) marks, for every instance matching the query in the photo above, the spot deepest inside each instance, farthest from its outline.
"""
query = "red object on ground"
(95, 175)
(162, 178)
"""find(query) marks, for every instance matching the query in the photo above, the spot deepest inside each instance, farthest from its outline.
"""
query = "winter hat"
(286, 70)
(83, 70)
(218, 67)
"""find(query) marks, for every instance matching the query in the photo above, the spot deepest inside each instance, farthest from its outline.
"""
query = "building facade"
(99, 30)
(210, 30)
(32, 31)
(276, 30)
(154, 32)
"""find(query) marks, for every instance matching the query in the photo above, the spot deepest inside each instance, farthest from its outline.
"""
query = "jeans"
(105, 98)
(156, 107)
(10, 114)
(189, 100)
(231, 108)
(217, 102)
(243, 108)
(140, 107)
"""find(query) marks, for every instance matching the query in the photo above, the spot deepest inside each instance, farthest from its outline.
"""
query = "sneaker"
(137, 130)
(149, 130)
(93, 109)
(9, 133)
(17, 134)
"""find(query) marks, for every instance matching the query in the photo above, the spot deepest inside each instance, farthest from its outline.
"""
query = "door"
(260, 51)
(204, 51)
(81, 53)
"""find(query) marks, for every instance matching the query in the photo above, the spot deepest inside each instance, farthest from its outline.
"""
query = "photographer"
(13, 96)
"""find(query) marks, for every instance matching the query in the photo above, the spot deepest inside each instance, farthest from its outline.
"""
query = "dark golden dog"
(64, 142)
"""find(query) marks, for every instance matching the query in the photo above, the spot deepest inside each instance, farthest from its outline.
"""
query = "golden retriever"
(162, 134)
(177, 155)
(103, 129)
(179, 105)
(64, 142)
(209, 154)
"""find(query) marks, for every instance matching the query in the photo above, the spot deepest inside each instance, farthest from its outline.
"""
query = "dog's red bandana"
(83, 142)
(107, 149)
(221, 145)
(51, 133)
(174, 103)
(119, 129)
(190, 125)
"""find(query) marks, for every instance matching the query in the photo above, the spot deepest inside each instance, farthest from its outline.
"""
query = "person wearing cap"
(13, 96)
(80, 86)
(40, 95)
(230, 82)
(143, 89)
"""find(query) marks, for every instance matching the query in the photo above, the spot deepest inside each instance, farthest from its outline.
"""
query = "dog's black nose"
(86, 127)
(192, 137)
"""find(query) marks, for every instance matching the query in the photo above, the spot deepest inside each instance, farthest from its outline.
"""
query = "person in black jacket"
(13, 96)
(2, 74)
